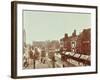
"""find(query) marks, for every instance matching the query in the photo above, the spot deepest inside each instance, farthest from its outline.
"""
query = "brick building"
(77, 43)
(84, 42)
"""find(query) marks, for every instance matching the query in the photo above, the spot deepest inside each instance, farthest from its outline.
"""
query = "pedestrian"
(31, 58)
(43, 56)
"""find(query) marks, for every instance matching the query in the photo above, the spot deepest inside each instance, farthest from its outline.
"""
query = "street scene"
(67, 52)
(39, 56)
(56, 40)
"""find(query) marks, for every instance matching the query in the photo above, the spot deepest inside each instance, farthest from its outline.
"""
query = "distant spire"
(24, 35)
(74, 33)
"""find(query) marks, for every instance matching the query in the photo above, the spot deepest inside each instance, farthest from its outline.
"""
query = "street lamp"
(53, 61)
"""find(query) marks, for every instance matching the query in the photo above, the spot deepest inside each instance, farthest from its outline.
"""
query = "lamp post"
(34, 63)
(53, 61)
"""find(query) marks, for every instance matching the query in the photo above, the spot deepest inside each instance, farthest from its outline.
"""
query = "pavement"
(48, 63)
(39, 64)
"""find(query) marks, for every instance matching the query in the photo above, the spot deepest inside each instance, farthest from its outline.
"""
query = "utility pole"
(34, 63)
(53, 59)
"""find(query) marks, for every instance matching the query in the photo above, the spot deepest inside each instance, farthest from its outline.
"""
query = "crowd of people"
(32, 54)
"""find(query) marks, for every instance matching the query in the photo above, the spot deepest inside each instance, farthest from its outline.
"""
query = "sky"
(42, 25)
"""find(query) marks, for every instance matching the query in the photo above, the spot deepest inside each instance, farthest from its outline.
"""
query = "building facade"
(77, 43)
(76, 49)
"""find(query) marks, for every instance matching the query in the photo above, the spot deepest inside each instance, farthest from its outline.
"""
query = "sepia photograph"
(53, 39)
(56, 39)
